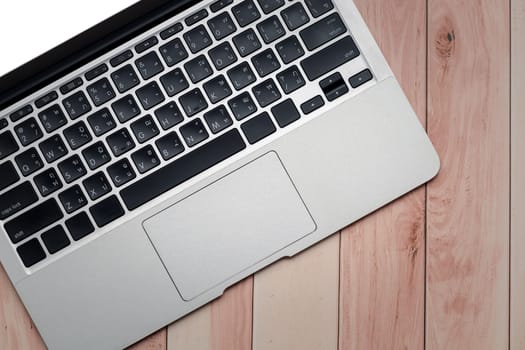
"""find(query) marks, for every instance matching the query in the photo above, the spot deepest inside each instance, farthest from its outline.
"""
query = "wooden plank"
(517, 279)
(382, 256)
(16, 328)
(156, 341)
(296, 301)
(225, 324)
(468, 204)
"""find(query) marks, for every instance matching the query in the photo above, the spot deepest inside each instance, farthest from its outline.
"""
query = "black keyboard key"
(290, 49)
(198, 69)
(22, 112)
(271, 29)
(28, 132)
(126, 108)
(258, 128)
(197, 39)
(174, 82)
(17, 199)
(218, 119)
(53, 148)
(217, 89)
(146, 44)
(360, 78)
(3, 123)
(169, 115)
(221, 26)
(31, 252)
(72, 85)
(182, 169)
(291, 80)
(97, 186)
(145, 129)
(266, 93)
(170, 145)
(101, 122)
(120, 142)
(312, 104)
(246, 13)
(330, 58)
(285, 113)
(77, 135)
(106, 211)
(319, 7)
(295, 16)
(266, 62)
(193, 102)
(96, 72)
(123, 57)
(52, 118)
(171, 31)
(196, 17)
(334, 86)
(55, 239)
(72, 169)
(125, 78)
(72, 199)
(241, 76)
(173, 52)
(46, 99)
(8, 145)
(150, 95)
(79, 226)
(33, 220)
(223, 56)
(194, 132)
(145, 159)
(96, 155)
(219, 5)
(101, 92)
(246, 42)
(270, 5)
(8, 175)
(77, 105)
(149, 65)
(323, 31)
(121, 172)
(242, 106)
(28, 162)
(47, 182)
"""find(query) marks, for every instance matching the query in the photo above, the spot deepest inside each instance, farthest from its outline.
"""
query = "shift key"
(17, 199)
(33, 220)
(330, 58)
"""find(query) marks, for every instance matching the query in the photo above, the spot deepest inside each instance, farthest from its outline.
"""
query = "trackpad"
(229, 226)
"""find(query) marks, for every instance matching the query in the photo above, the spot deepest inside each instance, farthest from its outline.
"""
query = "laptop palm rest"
(230, 225)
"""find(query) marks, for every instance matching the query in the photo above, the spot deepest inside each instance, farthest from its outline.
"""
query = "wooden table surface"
(441, 268)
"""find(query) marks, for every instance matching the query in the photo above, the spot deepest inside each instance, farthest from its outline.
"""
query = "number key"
(52, 118)
(28, 131)
(197, 39)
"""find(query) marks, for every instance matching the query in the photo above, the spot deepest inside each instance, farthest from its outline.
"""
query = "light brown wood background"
(441, 268)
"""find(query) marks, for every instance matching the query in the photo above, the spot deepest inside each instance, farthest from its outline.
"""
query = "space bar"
(182, 169)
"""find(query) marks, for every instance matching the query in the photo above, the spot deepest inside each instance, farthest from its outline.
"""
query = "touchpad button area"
(228, 226)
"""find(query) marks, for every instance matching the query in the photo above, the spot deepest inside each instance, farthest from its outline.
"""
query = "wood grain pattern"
(16, 328)
(225, 324)
(382, 256)
(468, 204)
(296, 301)
(156, 341)
(517, 279)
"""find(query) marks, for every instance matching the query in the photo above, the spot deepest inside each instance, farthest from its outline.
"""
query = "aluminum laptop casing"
(346, 160)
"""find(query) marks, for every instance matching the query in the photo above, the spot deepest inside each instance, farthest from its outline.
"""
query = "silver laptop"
(178, 147)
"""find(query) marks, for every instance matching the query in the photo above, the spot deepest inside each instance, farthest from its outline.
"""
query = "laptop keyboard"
(163, 111)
